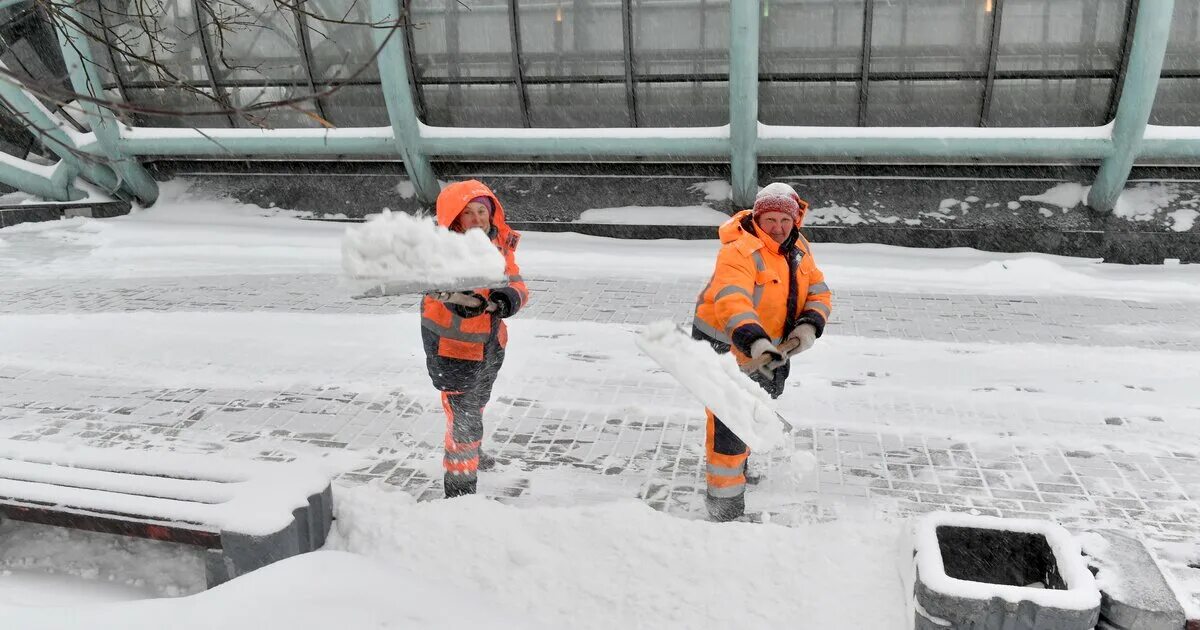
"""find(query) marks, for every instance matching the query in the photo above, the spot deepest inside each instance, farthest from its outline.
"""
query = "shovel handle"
(754, 364)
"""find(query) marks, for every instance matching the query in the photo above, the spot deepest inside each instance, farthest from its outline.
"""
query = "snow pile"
(1065, 195)
(654, 215)
(952, 204)
(1142, 202)
(142, 567)
(831, 214)
(395, 246)
(715, 381)
(1181, 220)
(621, 564)
(312, 591)
(715, 190)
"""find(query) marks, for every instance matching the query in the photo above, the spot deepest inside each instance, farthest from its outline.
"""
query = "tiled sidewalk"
(625, 437)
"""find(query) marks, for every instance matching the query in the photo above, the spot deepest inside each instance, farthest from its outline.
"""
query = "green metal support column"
(397, 93)
(52, 136)
(743, 100)
(85, 80)
(24, 176)
(1152, 28)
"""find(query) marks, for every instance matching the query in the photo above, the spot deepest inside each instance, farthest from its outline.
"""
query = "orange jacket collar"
(732, 230)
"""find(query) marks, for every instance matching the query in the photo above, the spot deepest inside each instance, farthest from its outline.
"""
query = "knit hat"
(776, 203)
(485, 201)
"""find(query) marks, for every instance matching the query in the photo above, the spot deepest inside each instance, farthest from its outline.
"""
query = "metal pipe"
(743, 100)
(1137, 99)
(397, 93)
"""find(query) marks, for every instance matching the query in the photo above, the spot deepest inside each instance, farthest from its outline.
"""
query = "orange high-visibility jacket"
(456, 337)
(747, 297)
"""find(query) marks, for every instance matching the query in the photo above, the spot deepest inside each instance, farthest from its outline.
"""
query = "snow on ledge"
(1165, 132)
(41, 170)
(250, 497)
(161, 133)
(1081, 593)
(719, 133)
(779, 132)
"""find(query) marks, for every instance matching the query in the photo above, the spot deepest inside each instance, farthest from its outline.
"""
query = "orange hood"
(454, 199)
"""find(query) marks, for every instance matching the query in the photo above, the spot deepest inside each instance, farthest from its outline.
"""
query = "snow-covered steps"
(246, 514)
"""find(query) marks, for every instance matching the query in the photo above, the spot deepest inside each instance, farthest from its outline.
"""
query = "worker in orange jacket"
(464, 335)
(766, 288)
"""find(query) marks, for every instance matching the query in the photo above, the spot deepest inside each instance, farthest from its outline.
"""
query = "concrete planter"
(987, 573)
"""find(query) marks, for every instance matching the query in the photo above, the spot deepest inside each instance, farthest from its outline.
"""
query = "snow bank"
(312, 591)
(87, 562)
(654, 215)
(1142, 202)
(624, 565)
(1181, 220)
(1065, 195)
(395, 247)
(833, 214)
(715, 381)
(714, 190)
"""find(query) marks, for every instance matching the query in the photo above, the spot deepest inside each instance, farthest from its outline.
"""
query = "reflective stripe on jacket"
(749, 288)
(465, 338)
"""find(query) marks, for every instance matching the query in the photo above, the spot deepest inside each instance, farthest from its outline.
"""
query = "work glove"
(806, 335)
(499, 304)
(764, 347)
(465, 304)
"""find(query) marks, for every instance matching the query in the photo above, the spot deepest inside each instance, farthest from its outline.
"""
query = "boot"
(458, 485)
(723, 510)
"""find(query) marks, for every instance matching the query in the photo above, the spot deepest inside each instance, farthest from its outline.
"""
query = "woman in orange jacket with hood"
(464, 336)
(766, 287)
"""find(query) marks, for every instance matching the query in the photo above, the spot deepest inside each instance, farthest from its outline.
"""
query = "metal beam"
(85, 80)
(1123, 62)
(707, 142)
(306, 57)
(350, 141)
(397, 93)
(627, 40)
(1137, 99)
(42, 124)
(514, 25)
(743, 100)
(112, 58)
(864, 70)
(410, 55)
(206, 48)
(993, 53)
(47, 182)
(833, 142)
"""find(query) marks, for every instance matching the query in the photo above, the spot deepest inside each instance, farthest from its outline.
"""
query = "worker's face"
(777, 225)
(475, 215)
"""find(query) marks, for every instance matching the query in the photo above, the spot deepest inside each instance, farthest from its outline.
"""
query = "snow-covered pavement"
(1017, 385)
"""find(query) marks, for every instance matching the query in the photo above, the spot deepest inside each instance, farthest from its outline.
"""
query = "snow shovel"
(396, 254)
(715, 380)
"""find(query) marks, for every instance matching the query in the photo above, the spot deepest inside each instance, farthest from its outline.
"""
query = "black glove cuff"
(814, 318)
(503, 305)
(745, 336)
